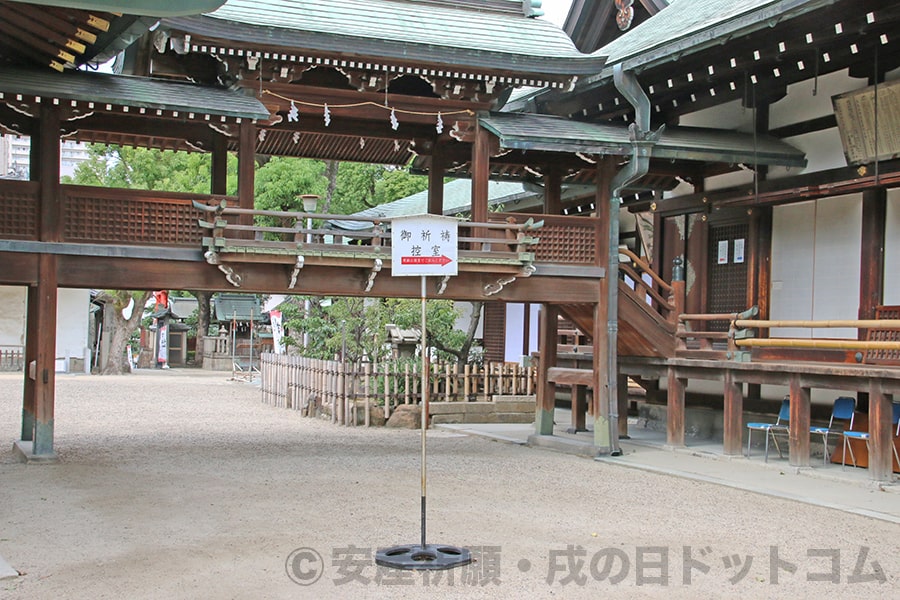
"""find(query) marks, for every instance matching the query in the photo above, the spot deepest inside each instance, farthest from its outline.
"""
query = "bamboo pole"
(816, 343)
(852, 323)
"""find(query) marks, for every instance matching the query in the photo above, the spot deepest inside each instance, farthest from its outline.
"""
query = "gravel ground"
(182, 484)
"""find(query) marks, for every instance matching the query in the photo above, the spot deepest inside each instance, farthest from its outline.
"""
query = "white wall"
(72, 320)
(12, 317)
(816, 264)
(515, 319)
(892, 249)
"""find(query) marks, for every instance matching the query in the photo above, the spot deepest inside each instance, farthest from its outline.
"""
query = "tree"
(140, 168)
(116, 361)
(356, 327)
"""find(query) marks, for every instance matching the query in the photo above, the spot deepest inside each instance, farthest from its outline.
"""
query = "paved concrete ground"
(847, 489)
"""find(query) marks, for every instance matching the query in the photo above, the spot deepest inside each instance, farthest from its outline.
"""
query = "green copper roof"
(556, 134)
(687, 26)
(136, 92)
(155, 8)
(417, 31)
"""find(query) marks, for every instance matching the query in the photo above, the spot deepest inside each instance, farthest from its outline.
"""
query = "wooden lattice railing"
(884, 356)
(19, 201)
(563, 240)
(134, 217)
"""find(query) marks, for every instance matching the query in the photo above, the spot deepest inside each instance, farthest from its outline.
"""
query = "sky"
(555, 11)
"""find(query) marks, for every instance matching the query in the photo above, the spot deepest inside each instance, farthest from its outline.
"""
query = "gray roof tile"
(420, 31)
(137, 92)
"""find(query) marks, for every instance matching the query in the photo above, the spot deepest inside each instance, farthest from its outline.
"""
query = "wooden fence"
(297, 382)
(12, 358)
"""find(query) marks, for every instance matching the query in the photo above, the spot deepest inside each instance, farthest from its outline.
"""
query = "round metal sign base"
(416, 557)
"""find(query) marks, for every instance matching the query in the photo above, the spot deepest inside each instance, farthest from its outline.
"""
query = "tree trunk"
(116, 360)
(331, 172)
(203, 315)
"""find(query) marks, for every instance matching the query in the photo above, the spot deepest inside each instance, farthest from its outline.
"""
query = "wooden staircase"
(646, 316)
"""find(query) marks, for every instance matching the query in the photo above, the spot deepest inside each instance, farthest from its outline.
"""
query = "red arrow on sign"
(425, 260)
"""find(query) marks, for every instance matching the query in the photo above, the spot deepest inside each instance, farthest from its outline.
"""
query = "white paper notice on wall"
(738, 250)
(723, 252)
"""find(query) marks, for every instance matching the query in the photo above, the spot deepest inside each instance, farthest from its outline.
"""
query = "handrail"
(646, 269)
(846, 323)
(664, 300)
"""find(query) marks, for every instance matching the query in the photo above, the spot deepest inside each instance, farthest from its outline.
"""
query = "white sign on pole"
(424, 245)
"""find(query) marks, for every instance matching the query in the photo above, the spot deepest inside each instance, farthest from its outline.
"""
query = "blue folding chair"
(770, 429)
(864, 435)
(843, 409)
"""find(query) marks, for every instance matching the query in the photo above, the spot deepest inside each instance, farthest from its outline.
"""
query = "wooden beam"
(798, 429)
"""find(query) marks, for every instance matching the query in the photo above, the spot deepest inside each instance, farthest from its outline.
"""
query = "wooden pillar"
(40, 343)
(218, 171)
(526, 330)
(622, 391)
(871, 271)
(675, 409)
(45, 154)
(546, 401)
(553, 190)
(799, 425)
(696, 262)
(579, 408)
(733, 425)
(881, 453)
(246, 169)
(481, 173)
(436, 184)
(42, 299)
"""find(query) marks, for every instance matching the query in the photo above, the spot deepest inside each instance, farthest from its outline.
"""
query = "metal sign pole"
(408, 259)
(425, 392)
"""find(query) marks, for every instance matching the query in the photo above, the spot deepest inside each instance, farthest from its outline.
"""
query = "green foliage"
(282, 179)
(361, 186)
(148, 169)
(358, 325)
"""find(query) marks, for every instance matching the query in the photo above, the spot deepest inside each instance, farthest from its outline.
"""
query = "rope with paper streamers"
(294, 112)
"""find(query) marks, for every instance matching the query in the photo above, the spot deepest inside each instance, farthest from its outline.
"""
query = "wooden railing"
(656, 293)
(499, 248)
(880, 347)
(693, 340)
(19, 201)
(563, 240)
(736, 343)
(301, 383)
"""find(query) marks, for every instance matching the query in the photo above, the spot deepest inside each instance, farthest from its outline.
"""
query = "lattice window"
(19, 210)
(727, 291)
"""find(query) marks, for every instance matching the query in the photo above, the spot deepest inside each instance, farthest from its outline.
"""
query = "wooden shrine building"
(431, 81)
